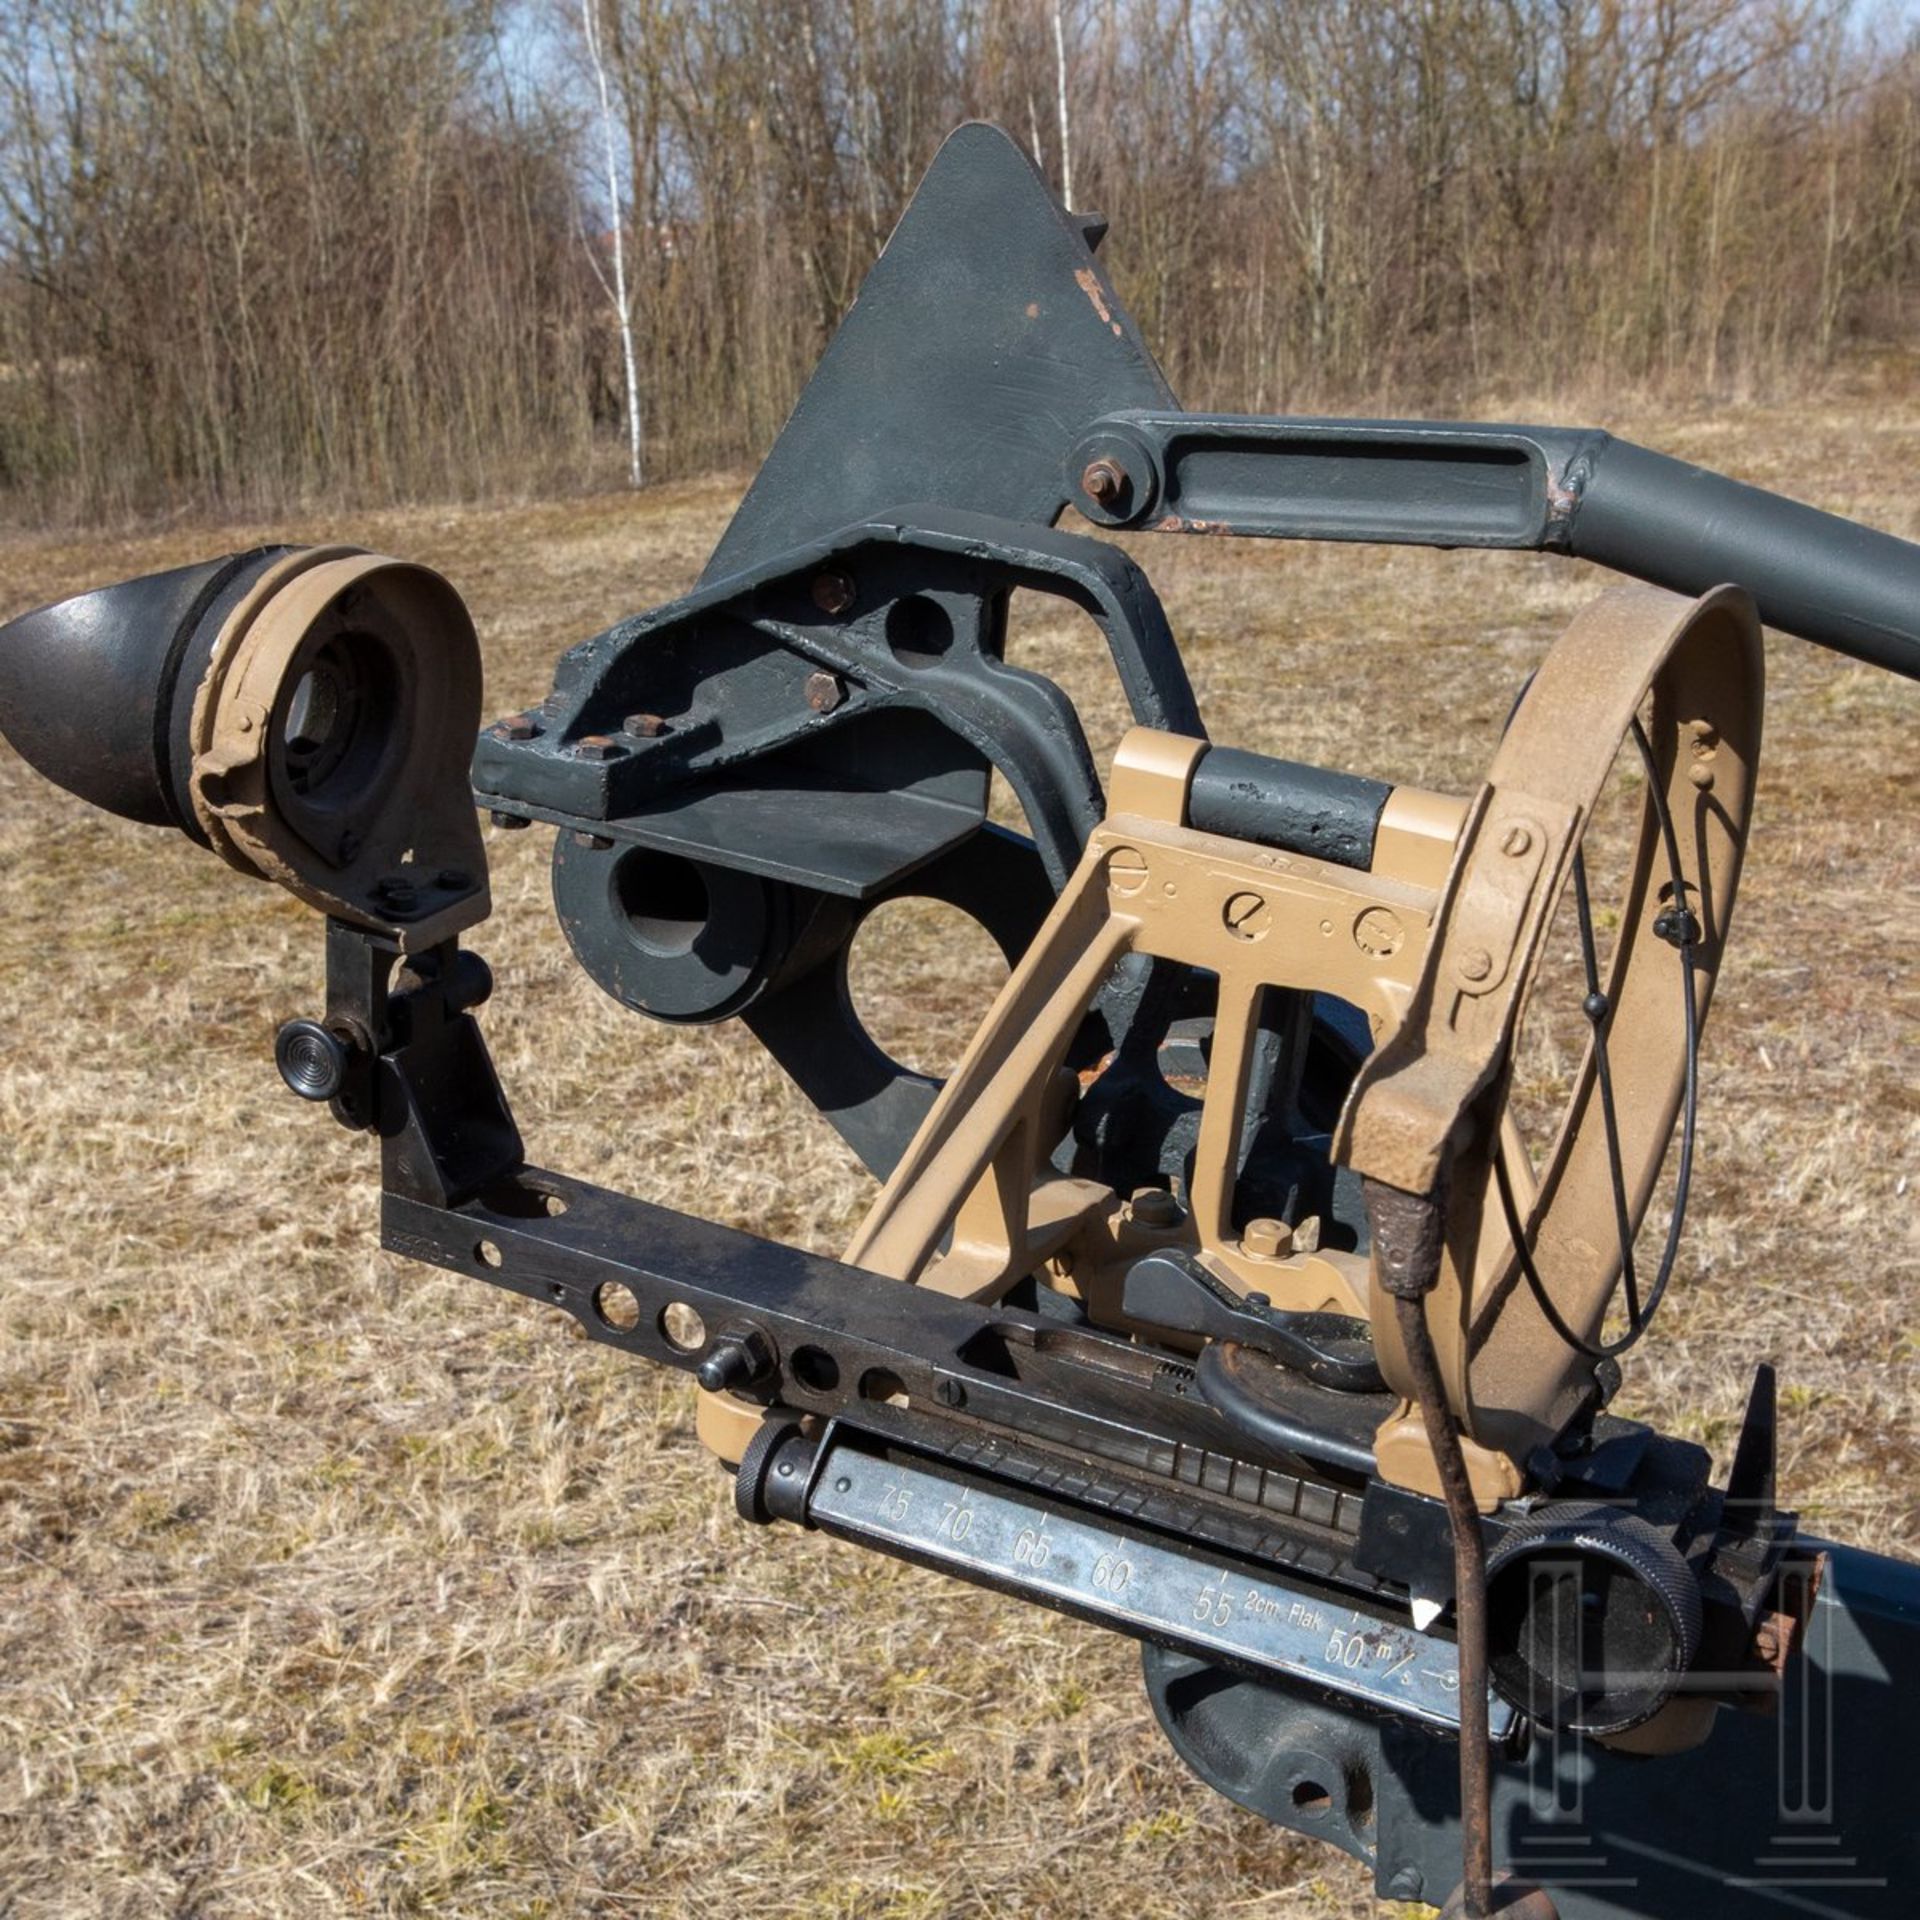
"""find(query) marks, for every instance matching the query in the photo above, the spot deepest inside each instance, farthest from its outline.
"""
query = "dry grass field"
(330, 1585)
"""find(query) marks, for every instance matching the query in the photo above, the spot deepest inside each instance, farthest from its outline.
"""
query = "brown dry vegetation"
(331, 1585)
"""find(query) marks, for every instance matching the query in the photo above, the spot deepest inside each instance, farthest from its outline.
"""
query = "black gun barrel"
(1813, 574)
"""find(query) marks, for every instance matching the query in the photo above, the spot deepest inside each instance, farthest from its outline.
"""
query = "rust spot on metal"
(1778, 1632)
(1090, 286)
(832, 591)
(825, 691)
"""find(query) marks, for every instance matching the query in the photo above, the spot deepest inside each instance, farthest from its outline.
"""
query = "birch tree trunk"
(622, 303)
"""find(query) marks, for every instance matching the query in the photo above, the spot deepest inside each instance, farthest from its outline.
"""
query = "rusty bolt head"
(832, 591)
(1476, 964)
(595, 746)
(643, 726)
(517, 726)
(1104, 482)
(1515, 841)
(825, 691)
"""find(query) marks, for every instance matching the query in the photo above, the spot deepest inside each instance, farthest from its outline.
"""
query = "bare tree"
(616, 218)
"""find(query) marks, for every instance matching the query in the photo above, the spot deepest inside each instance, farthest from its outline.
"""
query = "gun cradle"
(1215, 1295)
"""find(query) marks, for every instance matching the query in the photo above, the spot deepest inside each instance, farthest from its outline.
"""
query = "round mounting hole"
(614, 1302)
(816, 1369)
(487, 1253)
(553, 1205)
(919, 631)
(1312, 1799)
(922, 973)
(682, 1325)
(882, 1383)
(664, 898)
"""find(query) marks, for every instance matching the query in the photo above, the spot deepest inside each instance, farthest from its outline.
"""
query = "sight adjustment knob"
(1593, 1618)
(313, 1060)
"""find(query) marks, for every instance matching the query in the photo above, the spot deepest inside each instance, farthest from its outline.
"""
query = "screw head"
(1246, 915)
(1515, 841)
(643, 726)
(1105, 482)
(1476, 964)
(516, 726)
(825, 691)
(950, 1393)
(1126, 870)
(595, 746)
(397, 893)
(832, 591)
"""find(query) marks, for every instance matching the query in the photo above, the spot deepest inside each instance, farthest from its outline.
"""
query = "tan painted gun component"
(1450, 917)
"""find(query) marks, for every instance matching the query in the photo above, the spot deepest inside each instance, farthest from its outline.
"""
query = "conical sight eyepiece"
(307, 712)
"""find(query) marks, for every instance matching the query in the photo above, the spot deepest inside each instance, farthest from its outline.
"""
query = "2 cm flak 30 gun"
(1216, 1295)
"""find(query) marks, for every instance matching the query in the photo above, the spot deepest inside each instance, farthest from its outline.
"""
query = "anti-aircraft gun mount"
(1213, 1297)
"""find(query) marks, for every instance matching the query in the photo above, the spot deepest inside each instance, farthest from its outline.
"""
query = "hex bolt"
(509, 822)
(825, 691)
(517, 726)
(1104, 482)
(1156, 1207)
(1267, 1239)
(1515, 841)
(1408, 1884)
(595, 746)
(739, 1357)
(1476, 964)
(643, 726)
(398, 893)
(832, 591)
